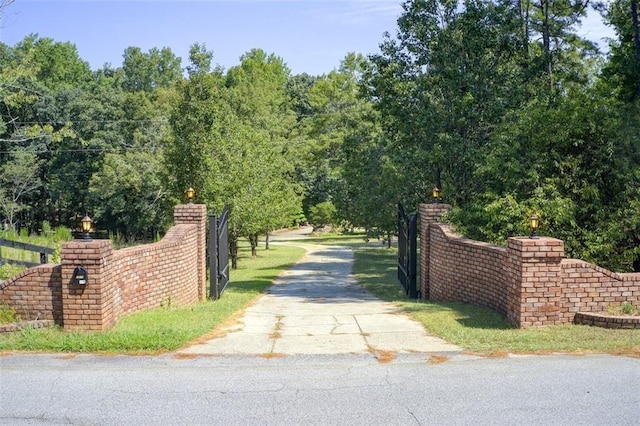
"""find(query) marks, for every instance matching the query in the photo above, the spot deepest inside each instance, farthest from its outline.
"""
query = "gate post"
(429, 213)
(196, 214)
(214, 293)
(407, 251)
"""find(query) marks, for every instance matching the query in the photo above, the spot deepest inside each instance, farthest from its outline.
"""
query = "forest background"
(498, 103)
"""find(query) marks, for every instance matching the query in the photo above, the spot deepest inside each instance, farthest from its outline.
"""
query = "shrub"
(8, 315)
(322, 214)
(7, 271)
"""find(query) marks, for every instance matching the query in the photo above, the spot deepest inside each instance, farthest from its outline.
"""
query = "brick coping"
(17, 326)
(607, 321)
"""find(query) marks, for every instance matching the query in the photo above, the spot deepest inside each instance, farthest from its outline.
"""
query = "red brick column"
(90, 306)
(196, 214)
(429, 213)
(534, 281)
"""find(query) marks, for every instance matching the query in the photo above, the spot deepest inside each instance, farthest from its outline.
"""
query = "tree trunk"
(546, 41)
(636, 35)
(266, 241)
(388, 239)
(233, 249)
(253, 239)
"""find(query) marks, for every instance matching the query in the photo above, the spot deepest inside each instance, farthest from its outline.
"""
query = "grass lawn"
(354, 240)
(482, 330)
(166, 329)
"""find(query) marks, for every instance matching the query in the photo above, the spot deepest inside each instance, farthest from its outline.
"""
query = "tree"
(622, 71)
(200, 59)
(129, 197)
(334, 110)
(229, 143)
(149, 71)
(19, 178)
(53, 107)
(441, 86)
(262, 194)
(571, 161)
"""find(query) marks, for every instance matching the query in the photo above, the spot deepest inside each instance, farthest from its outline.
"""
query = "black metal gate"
(408, 251)
(219, 253)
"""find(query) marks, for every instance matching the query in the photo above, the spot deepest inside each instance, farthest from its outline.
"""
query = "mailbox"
(80, 276)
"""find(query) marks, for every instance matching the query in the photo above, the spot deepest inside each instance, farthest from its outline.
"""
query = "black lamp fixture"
(86, 227)
(435, 194)
(534, 223)
(190, 194)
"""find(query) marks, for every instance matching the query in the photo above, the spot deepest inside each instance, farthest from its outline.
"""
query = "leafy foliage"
(500, 104)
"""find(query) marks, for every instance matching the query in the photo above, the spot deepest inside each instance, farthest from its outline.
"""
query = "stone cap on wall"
(542, 248)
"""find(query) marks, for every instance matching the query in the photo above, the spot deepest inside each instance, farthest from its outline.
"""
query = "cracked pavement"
(317, 308)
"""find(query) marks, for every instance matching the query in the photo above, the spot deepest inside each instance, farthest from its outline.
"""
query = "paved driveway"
(316, 308)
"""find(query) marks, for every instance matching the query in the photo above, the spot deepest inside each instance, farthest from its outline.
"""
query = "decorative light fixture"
(534, 222)
(435, 193)
(191, 193)
(86, 227)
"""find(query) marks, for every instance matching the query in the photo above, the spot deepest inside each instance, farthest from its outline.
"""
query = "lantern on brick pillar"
(86, 227)
(534, 223)
(435, 194)
(191, 193)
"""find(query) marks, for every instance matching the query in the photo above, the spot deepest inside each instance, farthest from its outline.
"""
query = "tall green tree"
(19, 178)
(264, 196)
(230, 143)
(441, 86)
(622, 71)
(149, 71)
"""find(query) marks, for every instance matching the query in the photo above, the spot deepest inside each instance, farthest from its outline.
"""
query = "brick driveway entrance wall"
(120, 282)
(529, 280)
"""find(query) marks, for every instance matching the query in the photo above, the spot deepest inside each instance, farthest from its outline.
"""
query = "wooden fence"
(44, 252)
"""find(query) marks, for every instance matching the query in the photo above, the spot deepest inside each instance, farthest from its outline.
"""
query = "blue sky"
(311, 36)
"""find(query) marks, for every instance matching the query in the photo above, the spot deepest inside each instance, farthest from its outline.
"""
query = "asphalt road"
(319, 390)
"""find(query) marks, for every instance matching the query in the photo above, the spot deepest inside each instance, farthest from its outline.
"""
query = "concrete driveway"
(317, 308)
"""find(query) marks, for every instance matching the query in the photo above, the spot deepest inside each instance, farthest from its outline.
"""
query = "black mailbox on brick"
(80, 276)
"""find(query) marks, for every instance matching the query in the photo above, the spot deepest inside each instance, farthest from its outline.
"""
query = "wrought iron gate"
(408, 251)
(219, 253)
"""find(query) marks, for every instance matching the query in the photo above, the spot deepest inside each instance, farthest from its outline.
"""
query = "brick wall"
(160, 274)
(529, 280)
(35, 293)
(589, 288)
(169, 272)
(465, 270)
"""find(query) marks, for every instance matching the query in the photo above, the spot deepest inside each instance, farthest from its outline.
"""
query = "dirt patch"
(221, 330)
(272, 355)
(383, 357)
(438, 359)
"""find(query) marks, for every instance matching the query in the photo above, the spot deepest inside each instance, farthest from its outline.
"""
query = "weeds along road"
(321, 390)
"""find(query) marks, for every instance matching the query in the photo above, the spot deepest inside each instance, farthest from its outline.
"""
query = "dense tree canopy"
(503, 106)
(498, 102)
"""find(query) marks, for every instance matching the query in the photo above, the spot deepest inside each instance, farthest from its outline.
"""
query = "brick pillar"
(90, 306)
(196, 214)
(534, 278)
(429, 213)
